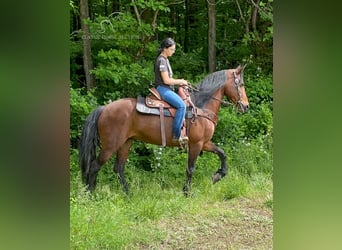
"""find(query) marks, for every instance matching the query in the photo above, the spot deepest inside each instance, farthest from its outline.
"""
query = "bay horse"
(116, 125)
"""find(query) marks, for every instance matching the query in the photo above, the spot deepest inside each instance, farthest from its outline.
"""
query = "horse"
(116, 125)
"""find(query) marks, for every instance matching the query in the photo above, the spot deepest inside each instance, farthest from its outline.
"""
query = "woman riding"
(165, 86)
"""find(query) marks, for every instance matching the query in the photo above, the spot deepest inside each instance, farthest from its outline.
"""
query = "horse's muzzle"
(242, 107)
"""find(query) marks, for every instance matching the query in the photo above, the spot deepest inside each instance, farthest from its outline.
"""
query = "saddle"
(154, 105)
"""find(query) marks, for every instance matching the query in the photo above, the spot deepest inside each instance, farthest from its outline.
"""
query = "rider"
(165, 86)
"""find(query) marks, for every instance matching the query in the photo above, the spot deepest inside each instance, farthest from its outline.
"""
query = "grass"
(235, 213)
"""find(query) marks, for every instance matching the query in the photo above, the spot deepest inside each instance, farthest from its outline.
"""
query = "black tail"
(88, 143)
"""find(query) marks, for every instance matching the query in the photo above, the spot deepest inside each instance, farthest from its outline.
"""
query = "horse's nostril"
(246, 107)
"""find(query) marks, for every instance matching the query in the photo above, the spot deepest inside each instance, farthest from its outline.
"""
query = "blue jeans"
(175, 101)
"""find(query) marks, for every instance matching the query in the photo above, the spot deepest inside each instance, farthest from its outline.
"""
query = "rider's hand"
(184, 83)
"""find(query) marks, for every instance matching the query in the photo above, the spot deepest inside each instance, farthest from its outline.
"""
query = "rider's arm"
(170, 81)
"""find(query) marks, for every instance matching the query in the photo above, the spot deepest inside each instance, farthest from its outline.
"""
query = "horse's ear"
(240, 69)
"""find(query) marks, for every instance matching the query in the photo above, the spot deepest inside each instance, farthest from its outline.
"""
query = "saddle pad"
(142, 108)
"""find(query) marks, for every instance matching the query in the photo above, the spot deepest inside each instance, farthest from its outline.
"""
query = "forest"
(113, 45)
(113, 50)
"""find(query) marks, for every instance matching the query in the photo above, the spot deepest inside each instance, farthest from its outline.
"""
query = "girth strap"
(205, 113)
(162, 124)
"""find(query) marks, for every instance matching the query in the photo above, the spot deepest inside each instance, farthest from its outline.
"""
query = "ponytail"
(159, 51)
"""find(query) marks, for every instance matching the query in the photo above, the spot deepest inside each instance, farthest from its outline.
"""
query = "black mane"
(208, 86)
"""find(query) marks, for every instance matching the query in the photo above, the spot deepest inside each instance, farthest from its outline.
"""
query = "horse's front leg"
(222, 171)
(193, 153)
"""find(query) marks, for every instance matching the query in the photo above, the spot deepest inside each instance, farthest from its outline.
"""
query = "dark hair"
(166, 43)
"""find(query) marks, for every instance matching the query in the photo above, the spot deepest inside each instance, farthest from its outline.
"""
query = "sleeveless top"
(162, 64)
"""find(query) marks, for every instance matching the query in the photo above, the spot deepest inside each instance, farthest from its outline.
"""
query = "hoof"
(217, 177)
(187, 192)
(188, 195)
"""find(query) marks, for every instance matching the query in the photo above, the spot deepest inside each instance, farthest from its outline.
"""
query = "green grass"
(235, 213)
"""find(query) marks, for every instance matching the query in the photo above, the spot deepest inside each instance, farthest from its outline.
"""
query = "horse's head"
(235, 89)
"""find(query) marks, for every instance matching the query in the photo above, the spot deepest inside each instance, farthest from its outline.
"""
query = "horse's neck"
(214, 103)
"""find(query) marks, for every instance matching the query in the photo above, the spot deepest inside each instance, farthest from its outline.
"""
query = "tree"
(146, 13)
(87, 61)
(211, 35)
(255, 14)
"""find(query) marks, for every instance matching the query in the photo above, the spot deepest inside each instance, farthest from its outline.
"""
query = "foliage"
(152, 4)
(76, 65)
(253, 156)
(124, 38)
(80, 107)
(259, 89)
(124, 44)
(156, 198)
(136, 34)
(258, 121)
(115, 71)
(184, 69)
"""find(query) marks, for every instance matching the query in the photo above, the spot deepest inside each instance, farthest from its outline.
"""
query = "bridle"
(239, 84)
(210, 115)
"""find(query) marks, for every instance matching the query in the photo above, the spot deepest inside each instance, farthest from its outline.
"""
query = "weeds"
(157, 215)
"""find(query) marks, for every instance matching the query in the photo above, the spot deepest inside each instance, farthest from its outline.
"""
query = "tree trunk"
(212, 35)
(186, 27)
(105, 6)
(178, 15)
(116, 6)
(173, 19)
(255, 15)
(87, 61)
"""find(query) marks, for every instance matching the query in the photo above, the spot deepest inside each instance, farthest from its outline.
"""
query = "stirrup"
(181, 140)
(184, 139)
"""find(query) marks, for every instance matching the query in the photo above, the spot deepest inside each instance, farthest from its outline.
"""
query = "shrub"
(230, 126)
(80, 107)
(118, 76)
(233, 126)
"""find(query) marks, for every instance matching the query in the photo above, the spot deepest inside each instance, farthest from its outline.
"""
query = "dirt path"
(241, 223)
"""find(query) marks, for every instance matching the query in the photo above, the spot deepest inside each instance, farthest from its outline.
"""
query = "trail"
(242, 223)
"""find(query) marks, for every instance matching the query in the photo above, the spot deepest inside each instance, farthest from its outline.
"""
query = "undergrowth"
(110, 219)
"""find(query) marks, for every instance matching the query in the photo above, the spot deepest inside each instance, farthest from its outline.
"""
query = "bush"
(252, 155)
(81, 106)
(181, 67)
(259, 90)
(118, 76)
(258, 121)
(234, 126)
(230, 127)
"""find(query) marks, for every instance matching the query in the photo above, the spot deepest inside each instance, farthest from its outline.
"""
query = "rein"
(214, 98)
(221, 101)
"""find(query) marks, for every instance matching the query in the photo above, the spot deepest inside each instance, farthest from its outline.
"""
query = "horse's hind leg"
(93, 171)
(96, 166)
(119, 166)
(222, 171)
